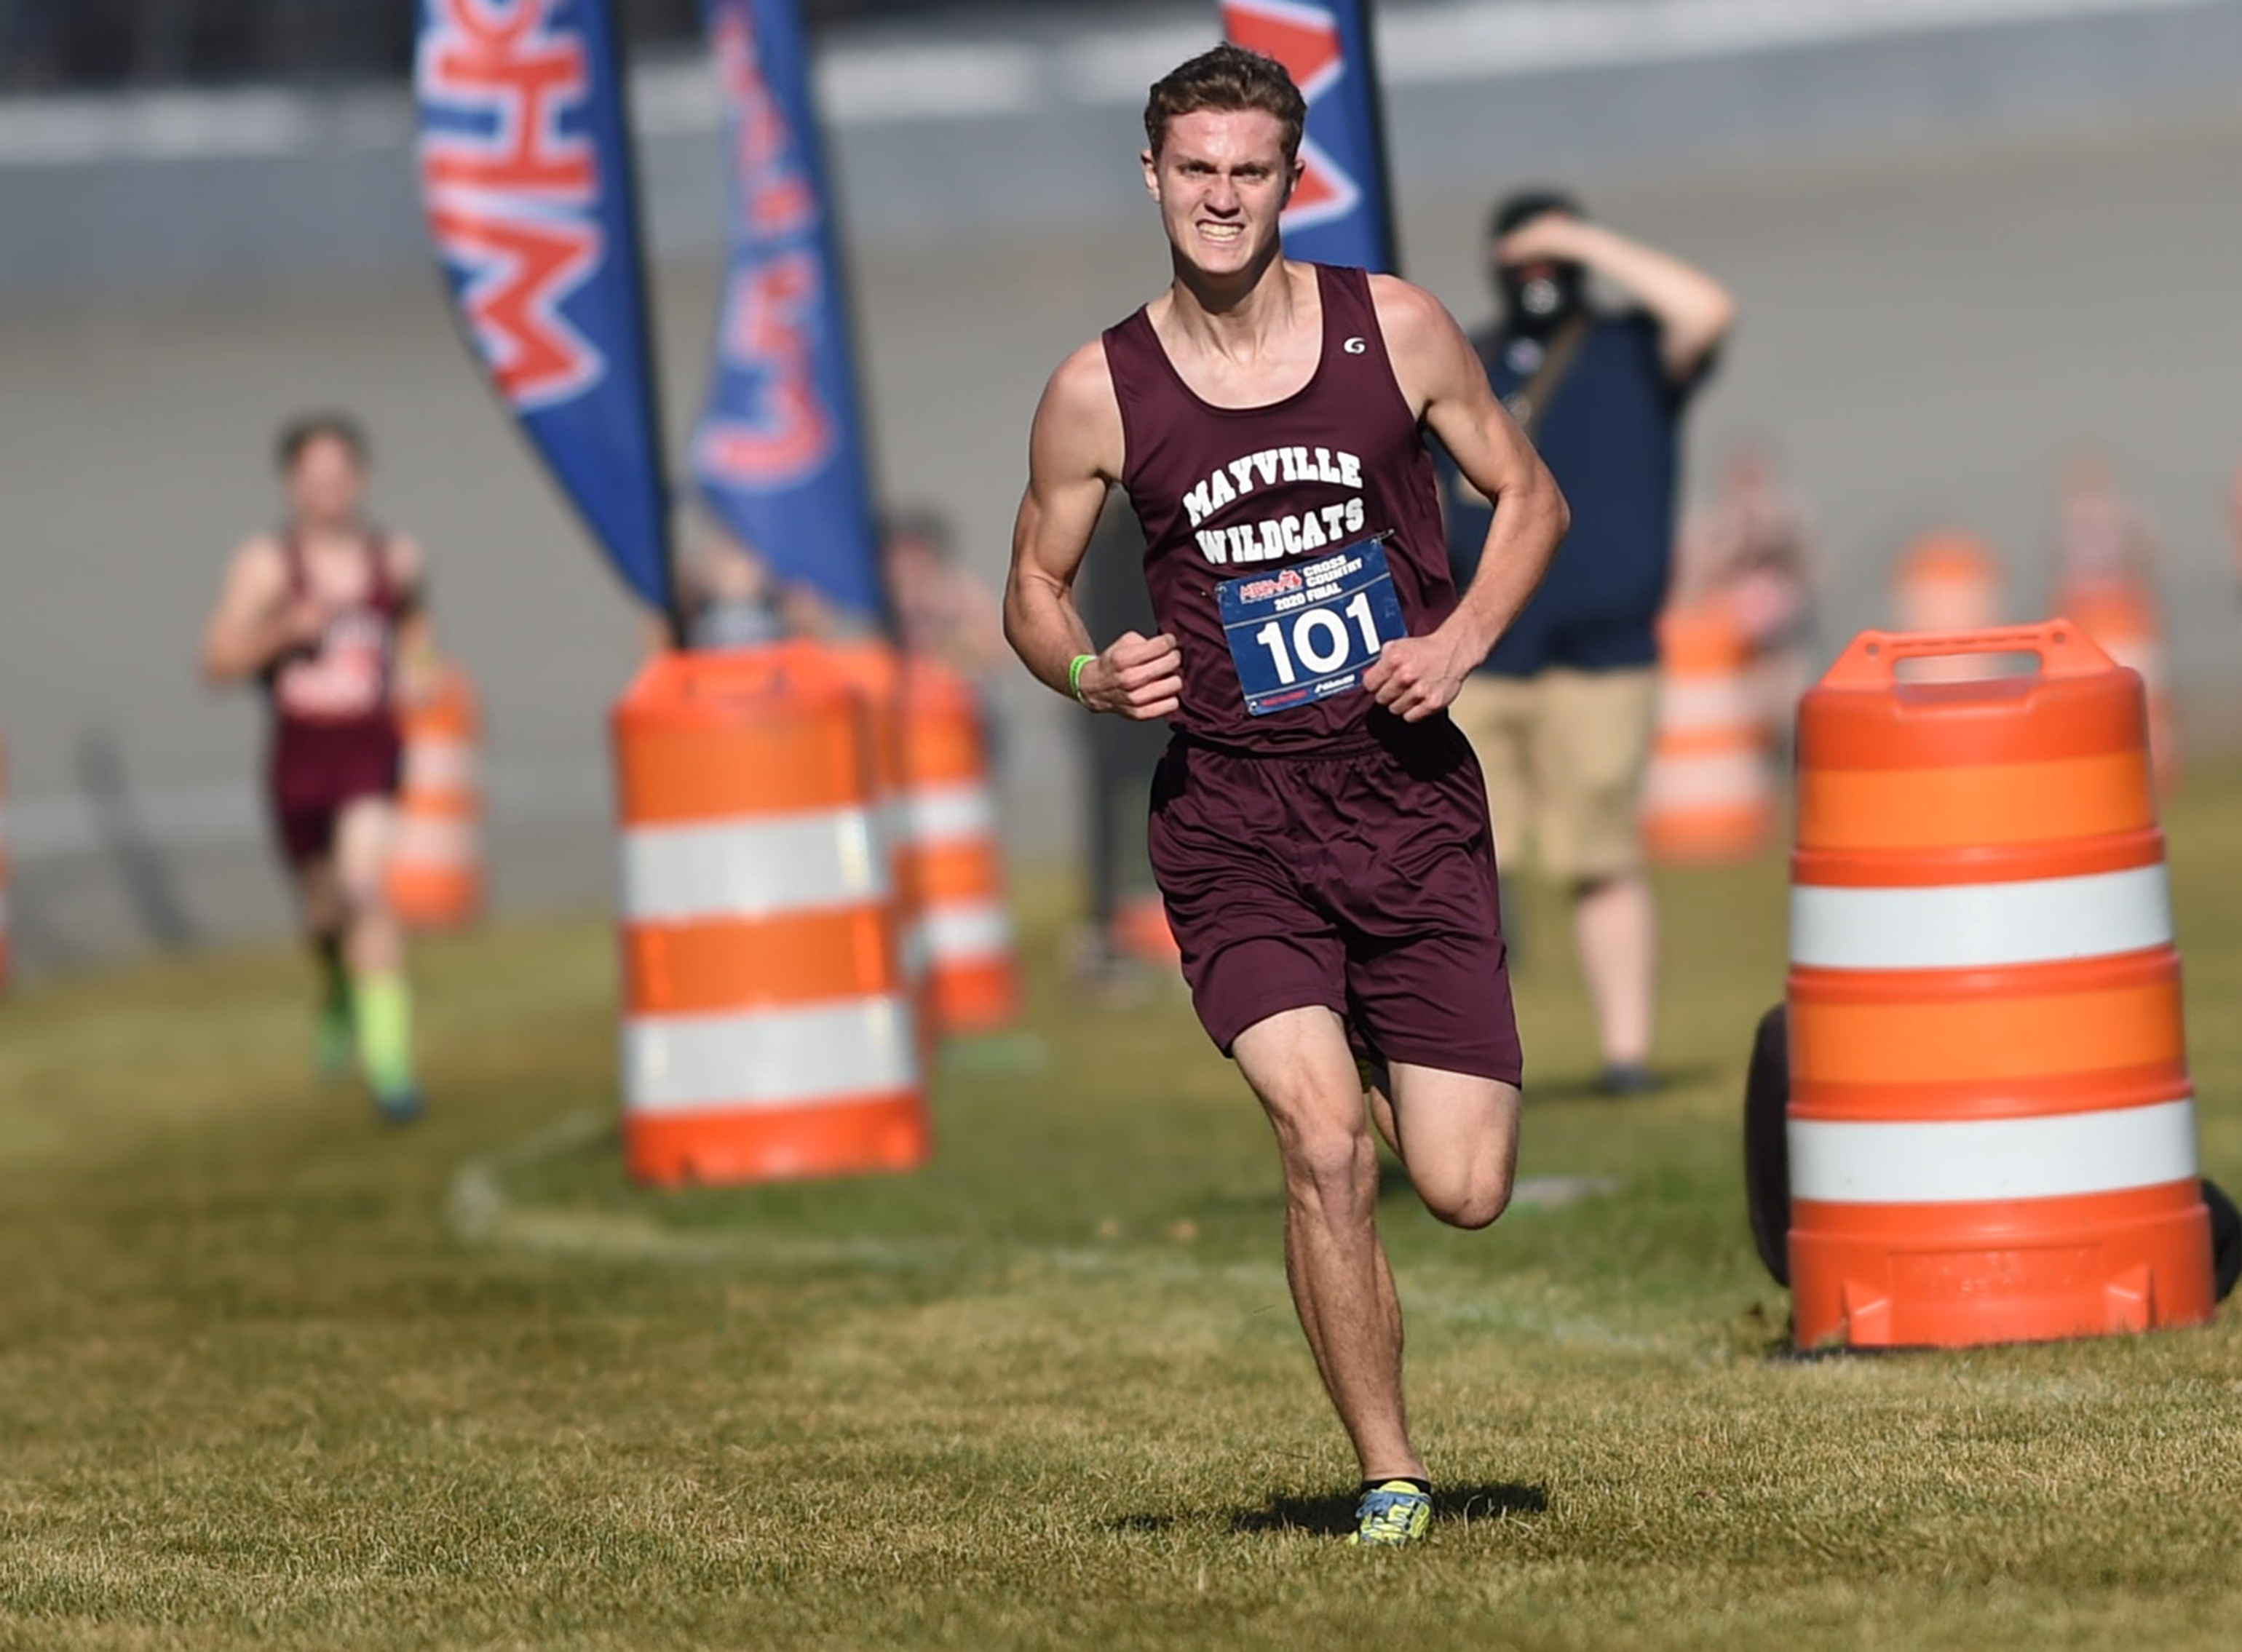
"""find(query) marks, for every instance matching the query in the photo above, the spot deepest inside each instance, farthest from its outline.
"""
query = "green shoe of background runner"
(1391, 1513)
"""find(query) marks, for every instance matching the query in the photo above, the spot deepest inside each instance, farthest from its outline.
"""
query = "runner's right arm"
(255, 621)
(1074, 455)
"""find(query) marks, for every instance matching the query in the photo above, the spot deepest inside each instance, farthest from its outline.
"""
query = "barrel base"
(1711, 839)
(1855, 1289)
(1140, 930)
(432, 904)
(723, 1148)
(968, 996)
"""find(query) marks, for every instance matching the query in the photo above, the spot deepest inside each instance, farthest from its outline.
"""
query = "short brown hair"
(300, 432)
(1227, 80)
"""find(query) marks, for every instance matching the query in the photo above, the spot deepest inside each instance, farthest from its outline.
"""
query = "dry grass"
(1048, 1394)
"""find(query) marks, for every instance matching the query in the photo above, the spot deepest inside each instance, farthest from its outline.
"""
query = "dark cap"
(1524, 205)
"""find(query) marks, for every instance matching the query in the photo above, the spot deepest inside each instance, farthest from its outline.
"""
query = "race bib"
(1306, 633)
(346, 677)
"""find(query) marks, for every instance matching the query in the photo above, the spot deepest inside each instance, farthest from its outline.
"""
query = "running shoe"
(399, 1107)
(1628, 1079)
(1391, 1513)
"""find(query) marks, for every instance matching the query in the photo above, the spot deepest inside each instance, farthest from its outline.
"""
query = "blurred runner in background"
(2106, 582)
(2099, 537)
(327, 613)
(941, 612)
(1752, 549)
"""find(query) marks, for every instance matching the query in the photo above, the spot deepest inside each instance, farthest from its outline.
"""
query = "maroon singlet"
(1223, 491)
(334, 730)
(1325, 852)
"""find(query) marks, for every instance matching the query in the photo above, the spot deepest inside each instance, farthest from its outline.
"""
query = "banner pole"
(1376, 91)
(841, 270)
(674, 599)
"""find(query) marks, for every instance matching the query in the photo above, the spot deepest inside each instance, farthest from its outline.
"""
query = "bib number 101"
(1317, 639)
(1302, 633)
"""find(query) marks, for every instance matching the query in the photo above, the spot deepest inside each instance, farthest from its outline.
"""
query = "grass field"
(272, 1378)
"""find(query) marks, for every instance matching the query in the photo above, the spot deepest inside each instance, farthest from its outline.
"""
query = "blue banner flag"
(1342, 213)
(779, 454)
(525, 171)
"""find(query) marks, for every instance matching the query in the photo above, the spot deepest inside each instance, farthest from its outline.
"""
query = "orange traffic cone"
(1947, 581)
(767, 1028)
(949, 823)
(1992, 1132)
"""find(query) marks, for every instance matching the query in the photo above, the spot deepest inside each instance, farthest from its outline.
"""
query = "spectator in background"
(2099, 537)
(1562, 711)
(1752, 550)
(941, 612)
(730, 598)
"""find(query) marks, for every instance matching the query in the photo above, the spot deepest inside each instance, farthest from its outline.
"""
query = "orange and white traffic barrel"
(1709, 795)
(1990, 1129)
(436, 865)
(956, 860)
(874, 671)
(767, 1029)
(2119, 612)
(1946, 581)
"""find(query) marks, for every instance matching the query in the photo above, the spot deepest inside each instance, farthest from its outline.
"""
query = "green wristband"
(1074, 675)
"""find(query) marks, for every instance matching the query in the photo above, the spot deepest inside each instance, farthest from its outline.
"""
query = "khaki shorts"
(1564, 753)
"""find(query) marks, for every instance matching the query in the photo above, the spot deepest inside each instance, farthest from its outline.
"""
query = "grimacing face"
(1222, 181)
(326, 481)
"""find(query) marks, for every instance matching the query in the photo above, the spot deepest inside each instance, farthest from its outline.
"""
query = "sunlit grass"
(1046, 1394)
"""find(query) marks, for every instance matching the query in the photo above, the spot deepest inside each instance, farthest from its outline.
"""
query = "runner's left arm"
(1442, 376)
(419, 664)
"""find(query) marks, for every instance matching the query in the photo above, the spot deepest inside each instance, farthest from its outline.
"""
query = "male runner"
(1318, 828)
(322, 613)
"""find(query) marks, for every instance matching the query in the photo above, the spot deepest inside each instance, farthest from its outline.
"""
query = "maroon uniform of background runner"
(335, 731)
(1328, 853)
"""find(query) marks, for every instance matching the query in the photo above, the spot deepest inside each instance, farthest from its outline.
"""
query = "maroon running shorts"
(317, 772)
(1361, 880)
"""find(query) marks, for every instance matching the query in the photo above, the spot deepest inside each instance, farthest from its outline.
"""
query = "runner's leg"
(1458, 1134)
(1298, 1063)
(375, 948)
(319, 901)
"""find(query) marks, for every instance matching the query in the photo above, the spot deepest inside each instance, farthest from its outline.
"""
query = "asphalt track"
(1926, 330)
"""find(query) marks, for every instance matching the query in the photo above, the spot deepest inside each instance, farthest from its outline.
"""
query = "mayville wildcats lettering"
(1280, 536)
